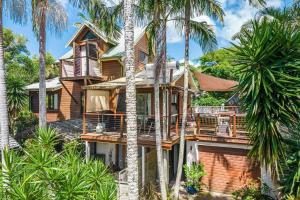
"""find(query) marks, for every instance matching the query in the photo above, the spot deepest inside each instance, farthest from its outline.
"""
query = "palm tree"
(48, 13)
(132, 148)
(205, 36)
(17, 13)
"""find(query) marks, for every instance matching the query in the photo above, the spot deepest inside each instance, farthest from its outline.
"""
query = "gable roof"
(119, 50)
(212, 83)
(96, 30)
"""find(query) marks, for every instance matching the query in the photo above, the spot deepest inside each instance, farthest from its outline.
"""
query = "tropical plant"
(269, 63)
(50, 14)
(194, 174)
(16, 10)
(132, 148)
(205, 36)
(251, 191)
(17, 98)
(290, 176)
(40, 172)
(208, 100)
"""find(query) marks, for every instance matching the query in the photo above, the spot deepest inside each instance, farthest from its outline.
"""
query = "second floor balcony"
(83, 63)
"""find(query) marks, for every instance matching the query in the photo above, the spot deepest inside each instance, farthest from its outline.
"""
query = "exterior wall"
(68, 108)
(141, 45)
(112, 69)
(227, 169)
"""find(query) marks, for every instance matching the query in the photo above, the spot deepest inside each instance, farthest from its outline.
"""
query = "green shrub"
(194, 175)
(208, 100)
(251, 191)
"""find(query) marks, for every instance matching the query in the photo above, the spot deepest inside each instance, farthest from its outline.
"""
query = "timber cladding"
(112, 69)
(227, 169)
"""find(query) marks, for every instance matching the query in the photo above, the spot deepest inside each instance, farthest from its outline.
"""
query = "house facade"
(91, 87)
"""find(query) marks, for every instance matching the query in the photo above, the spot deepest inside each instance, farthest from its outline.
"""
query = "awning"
(214, 84)
(51, 85)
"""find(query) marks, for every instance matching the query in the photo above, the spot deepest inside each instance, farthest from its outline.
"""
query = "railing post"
(177, 123)
(122, 124)
(198, 123)
(84, 124)
(234, 126)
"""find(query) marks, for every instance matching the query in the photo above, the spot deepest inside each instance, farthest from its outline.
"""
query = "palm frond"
(16, 9)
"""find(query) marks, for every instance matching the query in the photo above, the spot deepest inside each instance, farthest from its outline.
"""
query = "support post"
(122, 124)
(143, 166)
(234, 126)
(87, 150)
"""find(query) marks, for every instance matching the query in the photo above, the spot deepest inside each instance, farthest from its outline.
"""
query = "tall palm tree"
(50, 14)
(205, 36)
(17, 10)
(132, 148)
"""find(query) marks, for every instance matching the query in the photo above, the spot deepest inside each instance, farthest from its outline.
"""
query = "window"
(92, 50)
(52, 101)
(143, 57)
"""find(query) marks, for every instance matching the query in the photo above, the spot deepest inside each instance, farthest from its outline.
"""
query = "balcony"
(83, 64)
(225, 125)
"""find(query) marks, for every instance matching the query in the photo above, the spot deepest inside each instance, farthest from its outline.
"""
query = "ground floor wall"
(226, 166)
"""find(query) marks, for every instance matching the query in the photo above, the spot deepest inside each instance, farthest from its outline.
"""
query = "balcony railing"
(84, 67)
(228, 122)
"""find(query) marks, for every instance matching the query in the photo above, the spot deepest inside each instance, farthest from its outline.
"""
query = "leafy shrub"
(251, 191)
(40, 172)
(208, 100)
(194, 174)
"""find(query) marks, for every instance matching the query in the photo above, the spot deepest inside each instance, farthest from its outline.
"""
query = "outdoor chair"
(240, 125)
(207, 123)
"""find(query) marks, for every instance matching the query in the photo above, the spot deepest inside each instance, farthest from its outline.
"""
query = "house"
(93, 58)
(91, 87)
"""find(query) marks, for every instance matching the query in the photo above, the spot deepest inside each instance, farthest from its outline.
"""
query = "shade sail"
(214, 84)
(97, 100)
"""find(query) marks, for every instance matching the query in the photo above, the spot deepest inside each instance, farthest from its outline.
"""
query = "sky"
(237, 12)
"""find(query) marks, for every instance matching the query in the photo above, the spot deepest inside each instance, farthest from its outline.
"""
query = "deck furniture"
(208, 123)
(240, 124)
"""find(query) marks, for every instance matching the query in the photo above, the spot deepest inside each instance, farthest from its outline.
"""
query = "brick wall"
(227, 169)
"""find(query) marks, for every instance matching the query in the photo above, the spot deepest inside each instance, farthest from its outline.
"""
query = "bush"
(208, 100)
(40, 172)
(194, 174)
(252, 191)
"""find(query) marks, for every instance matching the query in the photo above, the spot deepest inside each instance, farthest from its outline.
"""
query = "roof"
(119, 50)
(93, 28)
(51, 85)
(67, 55)
(211, 83)
(12, 143)
(145, 78)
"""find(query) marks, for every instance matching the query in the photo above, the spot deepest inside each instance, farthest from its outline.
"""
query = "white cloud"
(174, 35)
(63, 2)
(237, 13)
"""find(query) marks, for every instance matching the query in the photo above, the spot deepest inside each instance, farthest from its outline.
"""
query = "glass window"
(52, 101)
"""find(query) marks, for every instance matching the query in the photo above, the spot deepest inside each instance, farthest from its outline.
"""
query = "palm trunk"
(132, 148)
(42, 85)
(4, 130)
(158, 136)
(185, 98)
(165, 97)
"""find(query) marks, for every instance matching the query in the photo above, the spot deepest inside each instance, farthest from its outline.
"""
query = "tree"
(17, 13)
(41, 172)
(268, 57)
(132, 148)
(205, 36)
(57, 21)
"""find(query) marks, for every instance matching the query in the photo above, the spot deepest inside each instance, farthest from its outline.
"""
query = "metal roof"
(51, 85)
(12, 143)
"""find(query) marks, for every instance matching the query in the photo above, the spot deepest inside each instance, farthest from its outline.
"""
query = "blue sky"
(237, 12)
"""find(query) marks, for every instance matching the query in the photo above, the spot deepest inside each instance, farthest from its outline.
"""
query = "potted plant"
(194, 174)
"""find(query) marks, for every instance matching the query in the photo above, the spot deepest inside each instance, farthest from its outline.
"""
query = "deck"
(212, 126)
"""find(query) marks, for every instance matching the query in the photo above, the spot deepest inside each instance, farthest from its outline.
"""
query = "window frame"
(51, 100)
(146, 59)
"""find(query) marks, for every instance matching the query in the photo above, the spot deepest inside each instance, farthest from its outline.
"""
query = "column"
(87, 150)
(143, 166)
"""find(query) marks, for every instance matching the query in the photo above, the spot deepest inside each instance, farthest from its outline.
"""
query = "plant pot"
(191, 190)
